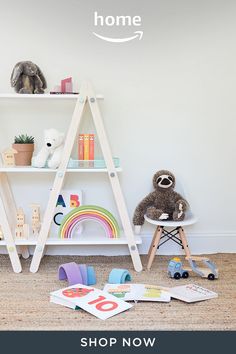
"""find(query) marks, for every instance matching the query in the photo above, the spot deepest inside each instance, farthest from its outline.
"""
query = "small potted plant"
(24, 145)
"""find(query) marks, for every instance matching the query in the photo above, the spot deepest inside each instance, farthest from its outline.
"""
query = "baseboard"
(199, 243)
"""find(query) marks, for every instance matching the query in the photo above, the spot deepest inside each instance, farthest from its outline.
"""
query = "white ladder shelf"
(86, 97)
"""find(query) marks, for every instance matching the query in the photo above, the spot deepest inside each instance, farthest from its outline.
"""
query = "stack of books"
(86, 147)
(144, 292)
(138, 292)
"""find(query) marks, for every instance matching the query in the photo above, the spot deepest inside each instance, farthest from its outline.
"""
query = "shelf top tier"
(43, 96)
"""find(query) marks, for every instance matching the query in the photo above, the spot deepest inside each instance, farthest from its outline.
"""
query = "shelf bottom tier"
(80, 240)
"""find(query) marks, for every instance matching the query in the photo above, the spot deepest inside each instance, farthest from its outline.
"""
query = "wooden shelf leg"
(10, 206)
(184, 242)
(114, 180)
(153, 246)
(10, 243)
(59, 179)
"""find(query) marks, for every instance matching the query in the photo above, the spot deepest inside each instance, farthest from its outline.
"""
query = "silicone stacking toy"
(77, 273)
(119, 276)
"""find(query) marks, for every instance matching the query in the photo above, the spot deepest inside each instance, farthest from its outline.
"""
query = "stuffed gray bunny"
(26, 77)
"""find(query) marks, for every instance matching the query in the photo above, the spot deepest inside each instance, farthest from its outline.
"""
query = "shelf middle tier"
(48, 170)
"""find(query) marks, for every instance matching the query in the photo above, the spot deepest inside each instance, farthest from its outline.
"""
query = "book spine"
(81, 149)
(86, 146)
(91, 150)
(69, 87)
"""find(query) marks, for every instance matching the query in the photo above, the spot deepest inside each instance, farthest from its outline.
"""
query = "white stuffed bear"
(51, 151)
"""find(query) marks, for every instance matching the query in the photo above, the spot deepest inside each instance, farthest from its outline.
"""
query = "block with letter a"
(67, 200)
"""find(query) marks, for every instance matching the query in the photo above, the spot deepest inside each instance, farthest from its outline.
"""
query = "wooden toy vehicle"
(209, 271)
(175, 269)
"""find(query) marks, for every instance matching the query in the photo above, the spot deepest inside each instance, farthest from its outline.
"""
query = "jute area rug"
(24, 298)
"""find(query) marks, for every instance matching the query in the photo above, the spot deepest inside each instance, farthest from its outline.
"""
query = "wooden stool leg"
(184, 242)
(153, 247)
(152, 243)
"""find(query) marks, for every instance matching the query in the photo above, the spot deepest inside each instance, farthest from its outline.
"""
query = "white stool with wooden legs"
(169, 230)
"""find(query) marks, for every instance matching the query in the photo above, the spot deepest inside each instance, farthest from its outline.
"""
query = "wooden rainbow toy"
(89, 212)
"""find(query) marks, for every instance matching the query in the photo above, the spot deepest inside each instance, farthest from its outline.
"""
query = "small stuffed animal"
(26, 77)
(51, 151)
(162, 204)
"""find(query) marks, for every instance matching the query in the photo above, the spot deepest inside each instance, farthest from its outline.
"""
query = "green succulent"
(24, 139)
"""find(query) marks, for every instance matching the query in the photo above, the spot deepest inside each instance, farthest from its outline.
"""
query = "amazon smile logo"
(124, 21)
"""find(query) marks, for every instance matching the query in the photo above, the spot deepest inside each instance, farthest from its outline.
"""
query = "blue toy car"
(175, 269)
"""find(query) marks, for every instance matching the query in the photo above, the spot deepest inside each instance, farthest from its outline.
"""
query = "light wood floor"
(24, 298)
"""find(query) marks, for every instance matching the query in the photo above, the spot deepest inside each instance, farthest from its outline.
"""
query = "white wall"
(169, 98)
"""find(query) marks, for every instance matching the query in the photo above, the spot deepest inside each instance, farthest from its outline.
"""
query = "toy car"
(208, 270)
(175, 269)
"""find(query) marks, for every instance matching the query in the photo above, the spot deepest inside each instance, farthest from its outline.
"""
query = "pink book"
(65, 84)
(69, 88)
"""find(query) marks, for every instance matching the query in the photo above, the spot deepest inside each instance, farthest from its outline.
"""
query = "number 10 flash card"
(97, 302)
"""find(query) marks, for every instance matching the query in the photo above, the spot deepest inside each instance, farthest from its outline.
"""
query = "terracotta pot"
(24, 155)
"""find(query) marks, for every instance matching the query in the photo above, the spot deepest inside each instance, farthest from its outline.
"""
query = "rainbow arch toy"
(89, 212)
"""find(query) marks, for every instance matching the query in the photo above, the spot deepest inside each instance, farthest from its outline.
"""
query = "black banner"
(118, 342)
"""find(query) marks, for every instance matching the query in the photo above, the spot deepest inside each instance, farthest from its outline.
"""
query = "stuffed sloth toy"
(26, 77)
(162, 204)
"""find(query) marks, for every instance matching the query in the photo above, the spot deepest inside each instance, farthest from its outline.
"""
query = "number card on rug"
(94, 301)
